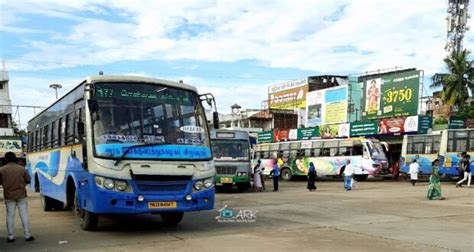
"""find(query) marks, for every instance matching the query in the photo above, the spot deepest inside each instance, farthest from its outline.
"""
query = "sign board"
(308, 133)
(425, 124)
(456, 122)
(366, 128)
(333, 131)
(265, 137)
(392, 95)
(327, 106)
(288, 95)
(10, 145)
(281, 135)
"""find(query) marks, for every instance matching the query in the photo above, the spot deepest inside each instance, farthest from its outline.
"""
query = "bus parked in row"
(123, 145)
(328, 155)
(447, 145)
(231, 151)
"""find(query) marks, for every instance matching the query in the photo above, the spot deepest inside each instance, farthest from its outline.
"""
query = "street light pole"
(55, 86)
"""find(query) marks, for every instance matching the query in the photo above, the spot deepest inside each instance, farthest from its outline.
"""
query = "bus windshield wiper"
(134, 147)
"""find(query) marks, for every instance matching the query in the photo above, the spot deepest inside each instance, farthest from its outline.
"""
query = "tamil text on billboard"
(391, 95)
(288, 95)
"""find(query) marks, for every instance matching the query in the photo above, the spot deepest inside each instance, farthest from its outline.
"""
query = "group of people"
(14, 178)
(259, 177)
(259, 180)
(434, 188)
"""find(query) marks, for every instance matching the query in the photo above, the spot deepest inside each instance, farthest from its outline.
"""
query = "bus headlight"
(242, 174)
(198, 185)
(121, 185)
(208, 183)
(109, 184)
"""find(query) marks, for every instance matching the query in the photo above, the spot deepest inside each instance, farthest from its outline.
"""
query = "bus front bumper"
(103, 201)
(231, 180)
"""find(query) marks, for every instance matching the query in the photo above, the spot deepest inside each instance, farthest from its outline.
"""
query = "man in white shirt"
(348, 174)
(414, 170)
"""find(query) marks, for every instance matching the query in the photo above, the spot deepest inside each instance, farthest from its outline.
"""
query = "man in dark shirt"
(14, 179)
(466, 164)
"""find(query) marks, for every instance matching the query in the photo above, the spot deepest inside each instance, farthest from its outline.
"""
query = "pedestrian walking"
(414, 170)
(311, 177)
(276, 175)
(434, 189)
(257, 177)
(460, 165)
(395, 170)
(14, 179)
(348, 174)
(466, 166)
(262, 176)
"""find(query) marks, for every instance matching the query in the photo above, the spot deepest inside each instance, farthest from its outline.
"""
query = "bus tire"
(50, 204)
(241, 187)
(88, 221)
(286, 174)
(172, 218)
(362, 177)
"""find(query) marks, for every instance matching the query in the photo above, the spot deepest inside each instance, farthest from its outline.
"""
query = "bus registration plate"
(226, 180)
(162, 204)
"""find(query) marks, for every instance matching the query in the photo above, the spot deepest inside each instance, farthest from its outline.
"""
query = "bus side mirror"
(215, 119)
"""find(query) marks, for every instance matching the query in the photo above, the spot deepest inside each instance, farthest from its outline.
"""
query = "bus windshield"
(130, 114)
(377, 152)
(230, 149)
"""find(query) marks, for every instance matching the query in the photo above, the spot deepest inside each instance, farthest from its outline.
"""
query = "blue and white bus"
(447, 145)
(123, 145)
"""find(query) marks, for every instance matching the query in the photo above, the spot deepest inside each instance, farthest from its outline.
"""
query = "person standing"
(348, 174)
(276, 175)
(257, 177)
(434, 189)
(414, 170)
(466, 165)
(14, 179)
(311, 177)
(460, 165)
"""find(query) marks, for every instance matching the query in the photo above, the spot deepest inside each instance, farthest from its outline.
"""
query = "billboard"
(398, 125)
(332, 131)
(265, 137)
(326, 106)
(10, 144)
(391, 95)
(288, 95)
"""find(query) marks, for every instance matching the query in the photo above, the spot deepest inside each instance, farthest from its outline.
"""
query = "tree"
(457, 83)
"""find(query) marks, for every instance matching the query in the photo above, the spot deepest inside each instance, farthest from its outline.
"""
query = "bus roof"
(119, 78)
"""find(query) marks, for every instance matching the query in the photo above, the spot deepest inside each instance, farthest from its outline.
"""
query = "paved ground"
(376, 216)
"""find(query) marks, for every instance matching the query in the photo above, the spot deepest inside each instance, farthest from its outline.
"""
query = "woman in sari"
(434, 189)
(311, 177)
(257, 177)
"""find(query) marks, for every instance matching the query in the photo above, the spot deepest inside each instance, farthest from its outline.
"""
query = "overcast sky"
(234, 49)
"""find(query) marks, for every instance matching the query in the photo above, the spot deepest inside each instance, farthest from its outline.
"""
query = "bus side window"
(54, 135)
(325, 152)
(333, 152)
(285, 154)
(266, 155)
(307, 153)
(45, 140)
(294, 153)
(317, 152)
(257, 155)
(70, 128)
(357, 150)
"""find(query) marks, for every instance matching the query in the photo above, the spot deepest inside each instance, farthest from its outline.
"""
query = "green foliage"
(458, 81)
(441, 121)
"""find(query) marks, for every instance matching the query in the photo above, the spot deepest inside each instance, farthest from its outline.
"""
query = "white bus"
(328, 156)
(123, 145)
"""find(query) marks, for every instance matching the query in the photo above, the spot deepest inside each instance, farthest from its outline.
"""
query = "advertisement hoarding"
(308, 133)
(265, 137)
(327, 106)
(288, 95)
(365, 128)
(391, 95)
(10, 144)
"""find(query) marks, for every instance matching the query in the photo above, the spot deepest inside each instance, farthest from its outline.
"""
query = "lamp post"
(55, 86)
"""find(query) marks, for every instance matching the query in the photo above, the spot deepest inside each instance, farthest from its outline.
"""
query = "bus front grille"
(164, 188)
(226, 170)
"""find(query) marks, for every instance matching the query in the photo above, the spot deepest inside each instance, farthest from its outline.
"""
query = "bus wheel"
(50, 204)
(286, 174)
(88, 221)
(172, 218)
(241, 187)
(361, 177)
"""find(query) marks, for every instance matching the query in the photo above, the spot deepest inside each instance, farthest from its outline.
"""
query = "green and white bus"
(231, 151)
(328, 156)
